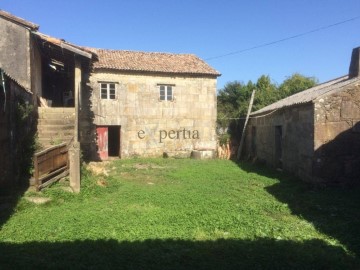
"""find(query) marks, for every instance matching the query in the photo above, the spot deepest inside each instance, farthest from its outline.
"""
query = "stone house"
(149, 104)
(114, 103)
(314, 134)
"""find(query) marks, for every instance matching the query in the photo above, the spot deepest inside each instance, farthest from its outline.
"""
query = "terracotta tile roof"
(310, 94)
(152, 62)
(20, 21)
(61, 43)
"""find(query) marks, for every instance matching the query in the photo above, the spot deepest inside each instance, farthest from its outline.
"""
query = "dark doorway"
(58, 82)
(114, 141)
(253, 141)
(278, 147)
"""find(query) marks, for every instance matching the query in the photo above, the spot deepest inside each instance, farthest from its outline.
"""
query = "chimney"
(354, 69)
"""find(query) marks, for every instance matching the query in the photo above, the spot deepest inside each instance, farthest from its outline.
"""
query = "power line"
(283, 39)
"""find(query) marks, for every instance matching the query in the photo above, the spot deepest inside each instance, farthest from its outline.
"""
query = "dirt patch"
(67, 189)
(101, 183)
(38, 200)
(98, 168)
(141, 166)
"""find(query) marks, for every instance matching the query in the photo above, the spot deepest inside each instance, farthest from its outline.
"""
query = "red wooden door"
(102, 142)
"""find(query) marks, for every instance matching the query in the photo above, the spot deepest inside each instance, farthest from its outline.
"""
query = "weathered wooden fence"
(50, 165)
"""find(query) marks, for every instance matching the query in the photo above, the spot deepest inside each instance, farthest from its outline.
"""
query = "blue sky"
(210, 28)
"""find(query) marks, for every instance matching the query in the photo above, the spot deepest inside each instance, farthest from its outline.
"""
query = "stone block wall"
(337, 137)
(15, 48)
(320, 140)
(149, 126)
(297, 144)
(17, 134)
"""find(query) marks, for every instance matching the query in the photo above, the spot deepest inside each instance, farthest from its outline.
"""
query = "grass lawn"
(185, 214)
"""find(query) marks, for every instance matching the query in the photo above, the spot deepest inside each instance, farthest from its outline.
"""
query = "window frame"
(109, 90)
(166, 92)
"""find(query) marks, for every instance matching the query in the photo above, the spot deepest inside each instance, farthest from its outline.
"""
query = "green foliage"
(296, 83)
(25, 139)
(23, 111)
(184, 214)
(56, 141)
(266, 93)
(233, 99)
(231, 105)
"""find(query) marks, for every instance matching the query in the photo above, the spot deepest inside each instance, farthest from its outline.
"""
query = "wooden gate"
(50, 165)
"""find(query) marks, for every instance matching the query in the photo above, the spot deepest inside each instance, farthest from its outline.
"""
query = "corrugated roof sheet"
(15, 81)
(19, 20)
(309, 94)
(152, 62)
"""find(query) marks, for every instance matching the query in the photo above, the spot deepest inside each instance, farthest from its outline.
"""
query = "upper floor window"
(166, 92)
(107, 90)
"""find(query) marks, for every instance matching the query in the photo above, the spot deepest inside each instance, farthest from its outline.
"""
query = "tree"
(231, 105)
(266, 93)
(296, 83)
(233, 100)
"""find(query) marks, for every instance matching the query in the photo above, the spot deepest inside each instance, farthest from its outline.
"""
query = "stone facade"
(284, 139)
(18, 45)
(17, 132)
(150, 126)
(318, 141)
(337, 137)
(15, 48)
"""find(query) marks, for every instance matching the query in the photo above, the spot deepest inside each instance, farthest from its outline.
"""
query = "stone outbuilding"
(314, 134)
(148, 104)
(40, 71)
(17, 129)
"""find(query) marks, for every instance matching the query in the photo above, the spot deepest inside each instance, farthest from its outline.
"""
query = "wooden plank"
(246, 121)
(55, 179)
(50, 149)
(49, 163)
(41, 179)
(36, 173)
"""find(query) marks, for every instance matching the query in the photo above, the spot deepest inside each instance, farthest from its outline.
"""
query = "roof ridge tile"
(162, 62)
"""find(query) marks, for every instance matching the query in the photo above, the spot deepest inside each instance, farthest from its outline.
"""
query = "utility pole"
(246, 121)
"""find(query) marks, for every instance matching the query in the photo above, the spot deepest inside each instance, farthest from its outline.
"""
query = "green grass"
(185, 214)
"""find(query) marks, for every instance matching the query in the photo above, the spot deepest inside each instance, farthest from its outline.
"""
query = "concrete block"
(203, 154)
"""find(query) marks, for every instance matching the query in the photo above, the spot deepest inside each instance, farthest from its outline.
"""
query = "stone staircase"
(55, 125)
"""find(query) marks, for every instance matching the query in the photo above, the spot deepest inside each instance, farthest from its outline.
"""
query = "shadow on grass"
(175, 254)
(17, 149)
(334, 211)
(9, 198)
